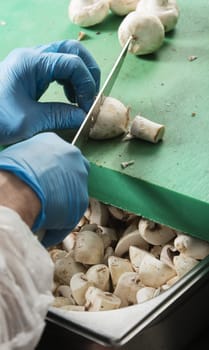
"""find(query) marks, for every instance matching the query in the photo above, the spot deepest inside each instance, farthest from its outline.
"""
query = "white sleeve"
(26, 280)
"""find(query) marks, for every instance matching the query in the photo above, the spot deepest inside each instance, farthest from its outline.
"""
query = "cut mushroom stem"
(146, 129)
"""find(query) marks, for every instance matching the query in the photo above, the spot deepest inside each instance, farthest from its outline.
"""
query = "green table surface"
(169, 181)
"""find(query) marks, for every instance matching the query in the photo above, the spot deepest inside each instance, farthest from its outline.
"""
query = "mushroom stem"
(146, 129)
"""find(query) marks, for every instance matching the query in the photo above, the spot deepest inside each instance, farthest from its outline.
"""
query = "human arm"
(25, 75)
(43, 183)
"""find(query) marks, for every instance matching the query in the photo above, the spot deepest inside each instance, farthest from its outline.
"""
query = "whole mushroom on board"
(166, 10)
(87, 13)
(122, 7)
(147, 31)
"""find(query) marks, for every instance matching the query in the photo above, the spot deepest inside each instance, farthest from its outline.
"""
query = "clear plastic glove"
(58, 173)
(25, 75)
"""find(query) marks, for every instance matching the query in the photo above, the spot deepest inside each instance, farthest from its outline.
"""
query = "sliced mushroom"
(117, 267)
(131, 239)
(66, 292)
(183, 264)
(69, 241)
(60, 301)
(87, 13)
(99, 275)
(65, 268)
(108, 235)
(112, 120)
(136, 256)
(128, 285)
(155, 234)
(146, 293)
(167, 254)
(89, 248)
(99, 213)
(57, 254)
(98, 300)
(193, 247)
(73, 308)
(154, 273)
(79, 285)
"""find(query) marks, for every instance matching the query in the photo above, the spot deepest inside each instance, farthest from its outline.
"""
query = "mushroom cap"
(87, 13)
(155, 234)
(112, 120)
(147, 31)
(122, 7)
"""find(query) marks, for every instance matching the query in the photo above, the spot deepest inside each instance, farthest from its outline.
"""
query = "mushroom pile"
(113, 259)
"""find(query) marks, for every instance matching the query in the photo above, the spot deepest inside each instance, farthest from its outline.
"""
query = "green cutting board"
(169, 181)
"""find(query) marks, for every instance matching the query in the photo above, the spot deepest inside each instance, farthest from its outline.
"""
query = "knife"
(83, 132)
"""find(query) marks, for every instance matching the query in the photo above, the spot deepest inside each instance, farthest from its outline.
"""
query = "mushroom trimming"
(147, 31)
(166, 10)
(87, 13)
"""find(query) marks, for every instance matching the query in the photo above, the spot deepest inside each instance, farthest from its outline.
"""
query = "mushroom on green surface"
(122, 7)
(87, 13)
(147, 31)
(145, 129)
(166, 10)
(111, 121)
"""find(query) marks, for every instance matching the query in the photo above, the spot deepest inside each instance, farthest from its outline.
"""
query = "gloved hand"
(58, 173)
(25, 75)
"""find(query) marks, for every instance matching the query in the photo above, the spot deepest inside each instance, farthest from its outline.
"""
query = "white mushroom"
(99, 275)
(69, 241)
(128, 285)
(108, 235)
(87, 13)
(112, 120)
(79, 285)
(57, 254)
(167, 254)
(154, 273)
(109, 251)
(166, 10)
(122, 7)
(117, 267)
(98, 212)
(65, 291)
(98, 300)
(89, 248)
(193, 247)
(155, 234)
(146, 293)
(147, 31)
(145, 129)
(136, 256)
(131, 239)
(183, 264)
(65, 268)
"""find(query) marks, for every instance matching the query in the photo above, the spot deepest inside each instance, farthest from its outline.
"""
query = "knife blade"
(83, 132)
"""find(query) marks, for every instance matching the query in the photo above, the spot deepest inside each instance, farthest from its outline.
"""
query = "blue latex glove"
(25, 75)
(58, 173)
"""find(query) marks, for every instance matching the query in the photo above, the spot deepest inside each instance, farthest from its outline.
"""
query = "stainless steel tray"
(169, 321)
